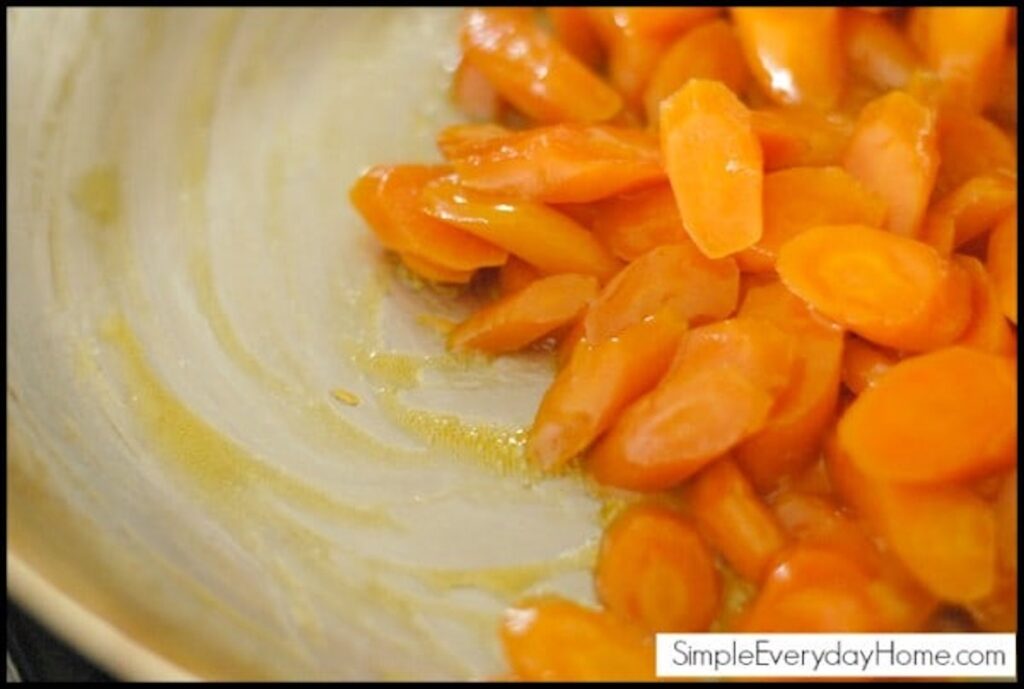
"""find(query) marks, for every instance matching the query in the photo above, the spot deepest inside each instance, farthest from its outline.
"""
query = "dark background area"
(38, 656)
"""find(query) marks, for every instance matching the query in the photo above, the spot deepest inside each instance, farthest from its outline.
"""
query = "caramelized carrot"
(568, 342)
(466, 140)
(661, 21)
(877, 51)
(891, 290)
(988, 329)
(654, 570)
(971, 146)
(864, 364)
(511, 53)
(473, 94)
(433, 272)
(977, 205)
(714, 165)
(576, 32)
(792, 137)
(515, 275)
(1001, 261)
(632, 224)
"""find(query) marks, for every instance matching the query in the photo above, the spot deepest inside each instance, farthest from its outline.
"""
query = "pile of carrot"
(777, 250)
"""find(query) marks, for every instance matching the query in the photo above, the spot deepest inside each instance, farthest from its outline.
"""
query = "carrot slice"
(799, 198)
(1001, 261)
(988, 329)
(792, 137)
(970, 146)
(563, 163)
(794, 53)
(864, 364)
(539, 235)
(568, 342)
(978, 204)
(1004, 105)
(710, 51)
(632, 224)
(877, 51)
(515, 275)
(661, 21)
(894, 153)
(945, 416)
(473, 94)
(518, 319)
(677, 277)
(511, 53)
(891, 290)
(466, 140)
(428, 270)
(654, 570)
(576, 32)
(734, 519)
(600, 380)
(388, 199)
(714, 165)
(554, 640)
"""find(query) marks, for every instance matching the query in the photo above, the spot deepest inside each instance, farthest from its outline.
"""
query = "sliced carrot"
(632, 224)
(988, 329)
(576, 32)
(388, 199)
(568, 342)
(473, 94)
(514, 321)
(465, 140)
(997, 612)
(799, 198)
(977, 205)
(511, 53)
(1004, 105)
(631, 64)
(661, 21)
(655, 571)
(429, 270)
(1001, 261)
(891, 290)
(894, 153)
(515, 275)
(549, 639)
(714, 165)
(877, 51)
(677, 277)
(864, 364)
(710, 51)
(792, 137)
(794, 53)
(734, 519)
(539, 235)
(563, 163)
(970, 146)
(599, 380)
(946, 416)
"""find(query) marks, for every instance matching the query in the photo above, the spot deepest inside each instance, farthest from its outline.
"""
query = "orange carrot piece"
(949, 415)
(549, 639)
(677, 277)
(1004, 105)
(511, 53)
(894, 153)
(988, 329)
(1001, 261)
(473, 94)
(655, 571)
(576, 32)
(864, 364)
(799, 198)
(568, 342)
(512, 322)
(466, 140)
(794, 53)
(970, 146)
(661, 21)
(388, 199)
(714, 165)
(433, 272)
(632, 224)
(877, 51)
(515, 275)
(710, 51)
(888, 289)
(566, 163)
(792, 137)
(978, 205)
(734, 519)
(1006, 522)
(599, 380)
(539, 235)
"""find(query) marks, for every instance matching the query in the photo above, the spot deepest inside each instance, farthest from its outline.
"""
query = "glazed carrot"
(568, 342)
(661, 21)
(970, 146)
(790, 438)
(946, 416)
(514, 321)
(977, 205)
(799, 198)
(734, 520)
(864, 364)
(563, 163)
(632, 224)
(473, 94)
(888, 289)
(599, 380)
(794, 53)
(877, 51)
(554, 640)
(677, 277)
(512, 53)
(466, 140)
(988, 329)
(576, 32)
(792, 137)
(388, 199)
(515, 275)
(997, 612)
(655, 571)
(1001, 261)
(894, 153)
(1004, 105)
(631, 64)
(429, 270)
(714, 165)
(532, 231)
(710, 51)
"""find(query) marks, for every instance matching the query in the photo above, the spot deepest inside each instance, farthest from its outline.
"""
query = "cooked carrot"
(514, 321)
(661, 21)
(632, 224)
(997, 612)
(710, 51)
(977, 205)
(734, 519)
(988, 329)
(473, 94)
(566, 163)
(515, 275)
(792, 137)
(891, 290)
(1006, 522)
(511, 54)
(1004, 105)
(877, 51)
(864, 364)
(970, 146)
(542, 237)
(631, 64)
(599, 380)
(794, 53)
(568, 342)
(714, 165)
(677, 277)
(388, 199)
(576, 32)
(655, 570)
(429, 270)
(894, 153)
(549, 639)
(799, 198)
(945, 416)
(1001, 261)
